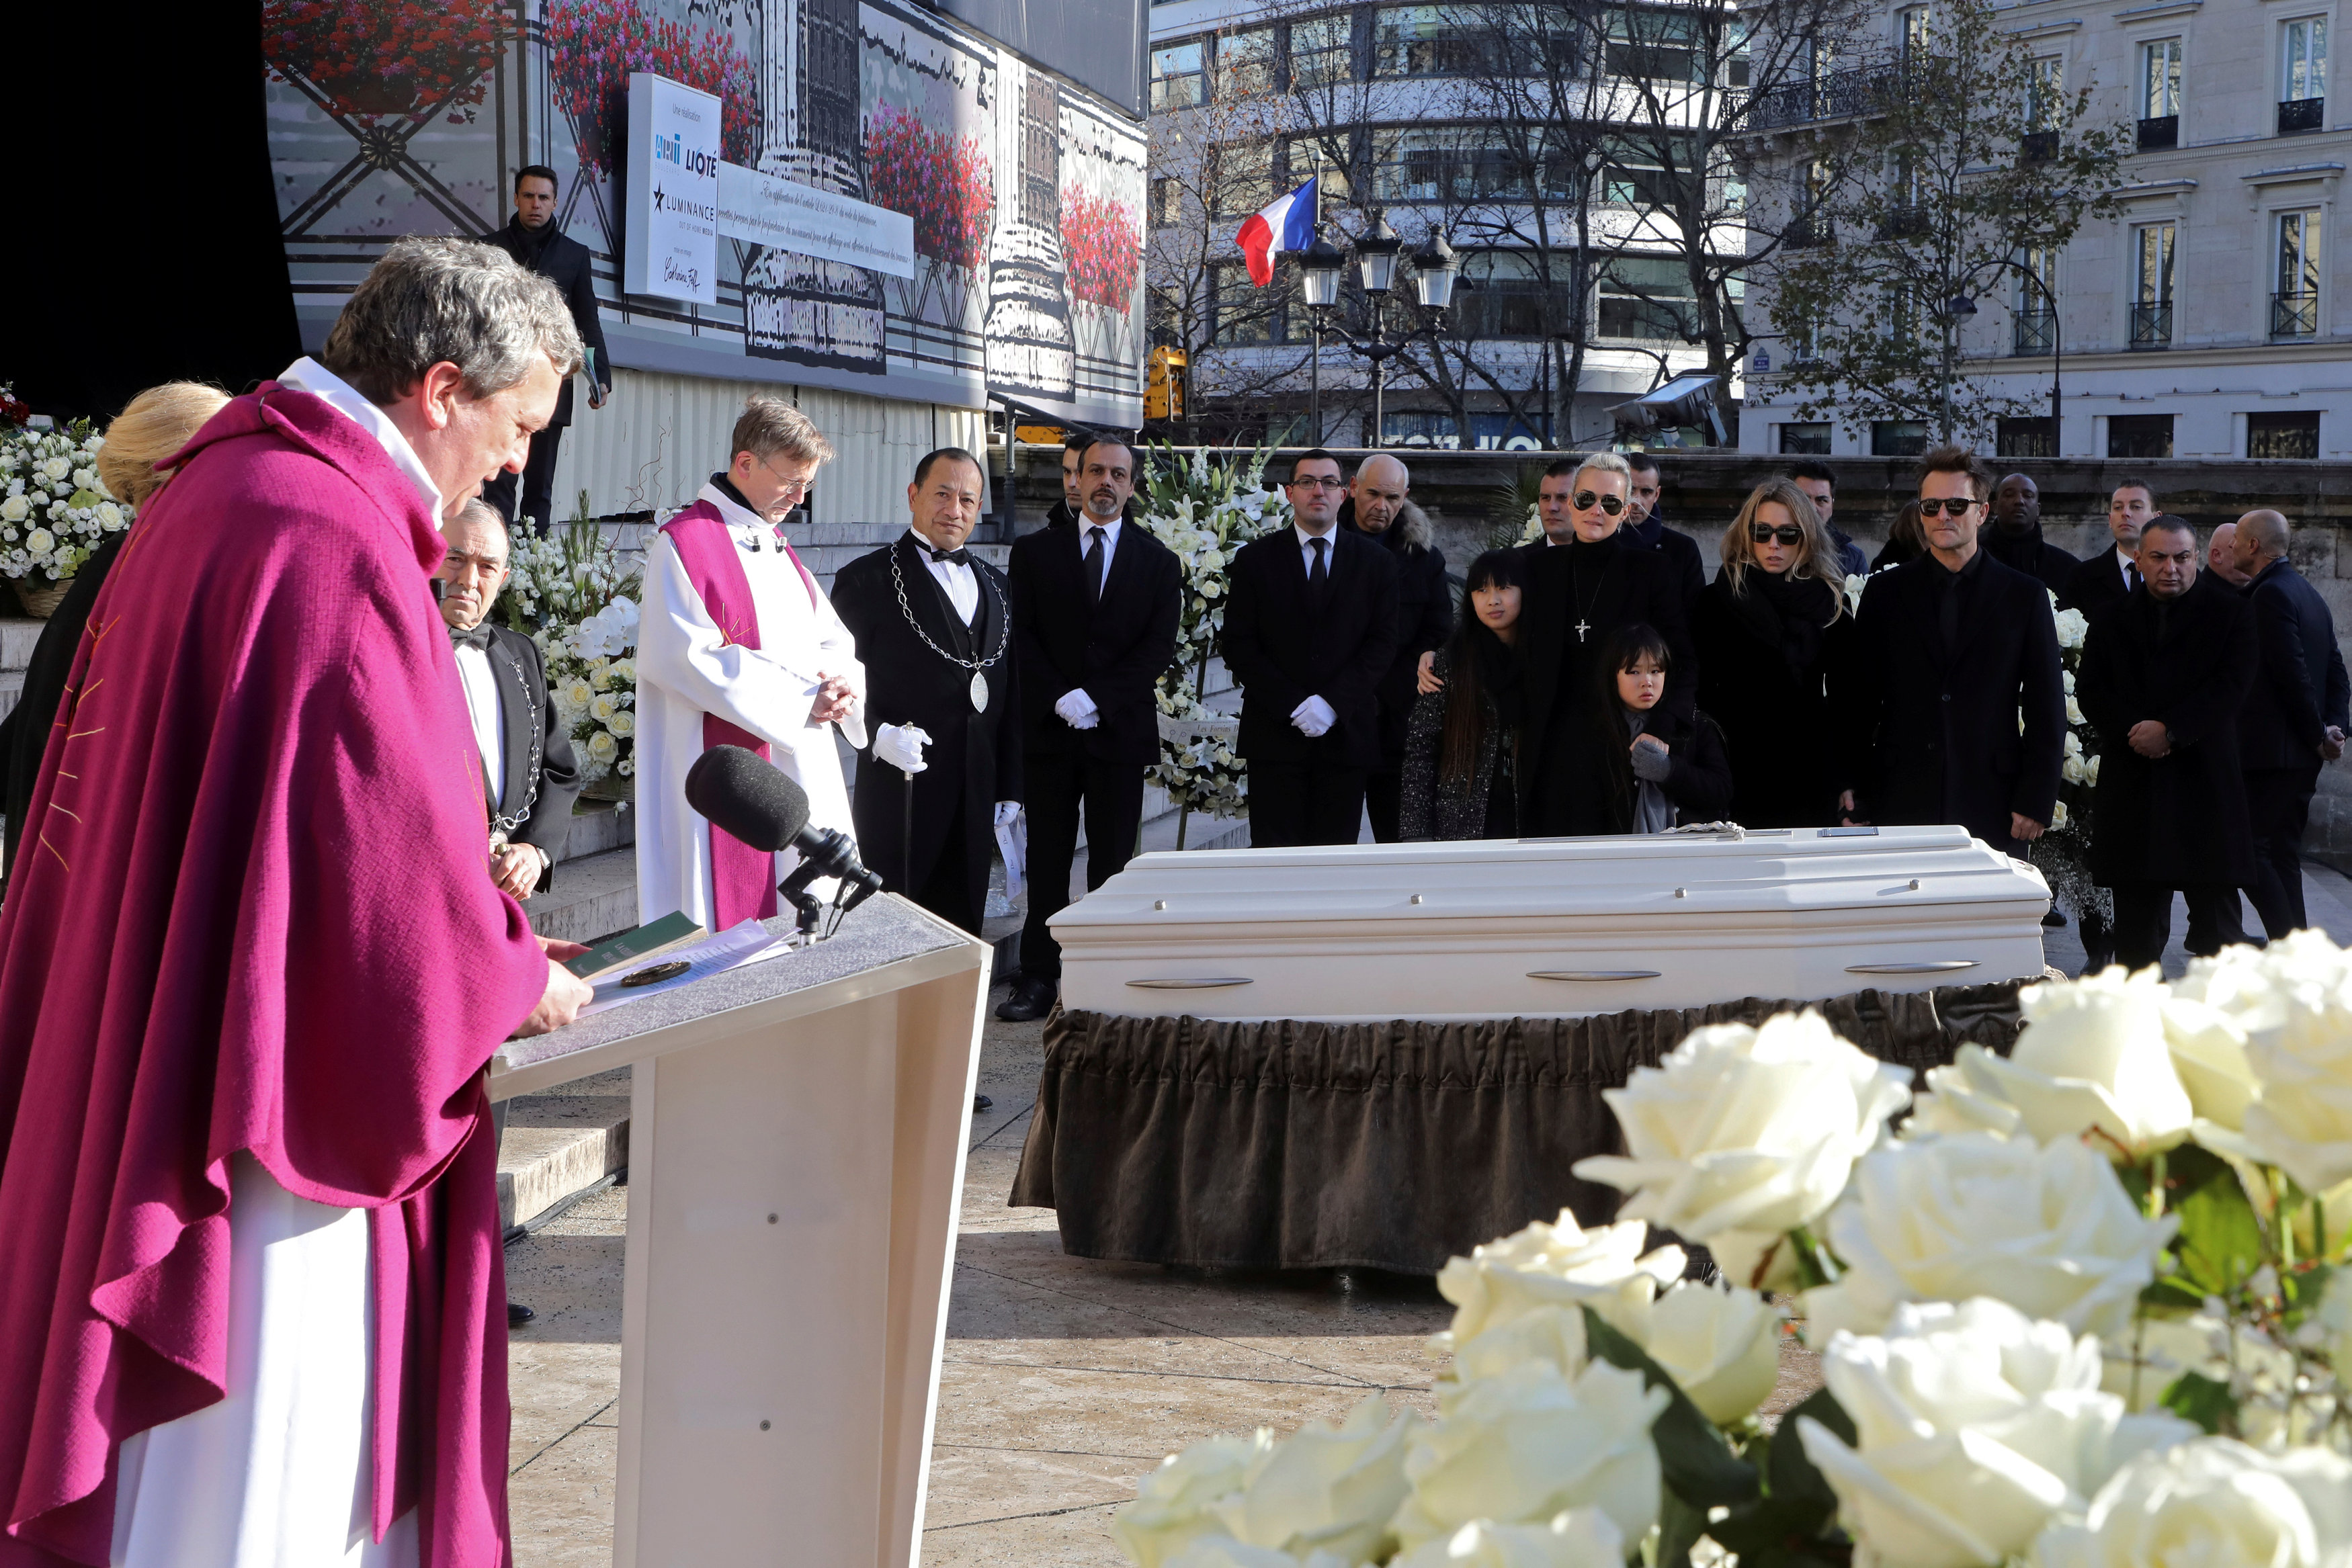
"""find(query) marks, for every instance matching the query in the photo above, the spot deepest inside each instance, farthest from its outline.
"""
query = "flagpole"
(1314, 370)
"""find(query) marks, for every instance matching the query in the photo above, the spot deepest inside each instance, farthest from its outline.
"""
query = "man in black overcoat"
(2015, 538)
(2112, 573)
(1576, 594)
(1310, 630)
(1095, 614)
(1379, 507)
(1643, 526)
(934, 630)
(534, 238)
(1950, 649)
(2164, 673)
(2295, 718)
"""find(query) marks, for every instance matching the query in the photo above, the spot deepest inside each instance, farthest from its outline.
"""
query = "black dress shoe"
(982, 1103)
(1030, 999)
(518, 1315)
(2053, 921)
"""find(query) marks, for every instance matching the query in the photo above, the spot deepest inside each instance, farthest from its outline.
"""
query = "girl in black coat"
(1769, 629)
(1653, 770)
(1461, 742)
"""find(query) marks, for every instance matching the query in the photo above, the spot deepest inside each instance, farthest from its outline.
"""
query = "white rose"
(1171, 1503)
(1556, 1265)
(1722, 1346)
(110, 517)
(579, 694)
(1321, 1489)
(2209, 1053)
(1974, 1426)
(2058, 814)
(2074, 744)
(1580, 1538)
(603, 746)
(1522, 1446)
(624, 671)
(2073, 711)
(2071, 767)
(2217, 1501)
(601, 707)
(15, 509)
(1747, 1131)
(2293, 1001)
(2047, 1228)
(1553, 1334)
(2066, 681)
(623, 723)
(2091, 1060)
(2072, 624)
(2090, 772)
(40, 541)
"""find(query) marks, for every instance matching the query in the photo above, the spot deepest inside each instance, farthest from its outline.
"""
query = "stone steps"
(594, 896)
(561, 1143)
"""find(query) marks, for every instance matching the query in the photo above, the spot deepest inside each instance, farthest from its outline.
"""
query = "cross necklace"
(1575, 584)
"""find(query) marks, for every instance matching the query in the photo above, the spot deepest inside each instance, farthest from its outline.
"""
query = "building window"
(1506, 296)
(2305, 72)
(1805, 440)
(1244, 312)
(1424, 41)
(1636, 176)
(1242, 181)
(828, 78)
(2036, 307)
(1246, 62)
(1167, 202)
(1041, 153)
(1323, 50)
(2294, 435)
(1646, 299)
(2139, 435)
(2151, 309)
(2160, 95)
(1179, 79)
(2024, 438)
(1897, 437)
(1323, 158)
(1911, 25)
(2294, 302)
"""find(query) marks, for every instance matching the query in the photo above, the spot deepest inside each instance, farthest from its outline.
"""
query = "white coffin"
(1549, 927)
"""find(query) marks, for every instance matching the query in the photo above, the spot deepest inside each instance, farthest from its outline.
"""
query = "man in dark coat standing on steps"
(2015, 538)
(2163, 675)
(1095, 612)
(1380, 507)
(2295, 717)
(934, 630)
(533, 237)
(1642, 526)
(1310, 632)
(1950, 649)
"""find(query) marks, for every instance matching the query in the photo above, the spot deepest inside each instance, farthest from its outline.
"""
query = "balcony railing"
(2157, 134)
(2037, 147)
(2294, 314)
(2037, 333)
(1809, 234)
(1909, 220)
(2151, 324)
(2297, 115)
(1835, 95)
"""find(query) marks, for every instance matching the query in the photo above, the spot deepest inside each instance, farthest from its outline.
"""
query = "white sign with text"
(670, 212)
(763, 209)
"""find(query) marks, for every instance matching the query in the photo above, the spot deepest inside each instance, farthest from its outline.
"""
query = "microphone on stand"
(740, 794)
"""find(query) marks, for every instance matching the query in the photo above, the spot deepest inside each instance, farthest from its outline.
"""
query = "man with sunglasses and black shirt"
(1951, 648)
(1576, 595)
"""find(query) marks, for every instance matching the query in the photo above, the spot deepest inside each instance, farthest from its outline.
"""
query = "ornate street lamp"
(1319, 267)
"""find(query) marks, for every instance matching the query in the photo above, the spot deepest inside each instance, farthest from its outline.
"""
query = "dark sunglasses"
(1957, 505)
(1586, 500)
(1764, 534)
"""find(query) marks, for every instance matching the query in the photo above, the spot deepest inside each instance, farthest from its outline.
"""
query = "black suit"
(566, 263)
(1604, 586)
(1285, 643)
(1115, 651)
(974, 757)
(534, 804)
(25, 733)
(1681, 551)
(2177, 821)
(2094, 584)
(2029, 553)
(1934, 728)
(2299, 690)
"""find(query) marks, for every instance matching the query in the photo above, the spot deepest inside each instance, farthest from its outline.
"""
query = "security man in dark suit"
(531, 237)
(934, 629)
(2293, 720)
(1310, 629)
(2112, 574)
(1096, 608)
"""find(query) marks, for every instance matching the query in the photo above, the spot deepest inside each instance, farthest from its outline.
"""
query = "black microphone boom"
(740, 794)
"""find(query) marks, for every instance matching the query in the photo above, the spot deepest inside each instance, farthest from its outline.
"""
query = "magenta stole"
(742, 879)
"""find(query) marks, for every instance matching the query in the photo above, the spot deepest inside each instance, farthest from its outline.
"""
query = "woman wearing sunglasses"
(1767, 629)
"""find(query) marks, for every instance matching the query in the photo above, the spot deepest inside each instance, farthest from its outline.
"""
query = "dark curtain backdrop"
(147, 249)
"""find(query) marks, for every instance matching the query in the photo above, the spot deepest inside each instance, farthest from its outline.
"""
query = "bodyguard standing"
(1311, 630)
(1642, 526)
(2295, 716)
(1095, 612)
(1380, 508)
(1951, 650)
(934, 630)
(2112, 574)
(533, 237)
(2164, 672)
(2015, 538)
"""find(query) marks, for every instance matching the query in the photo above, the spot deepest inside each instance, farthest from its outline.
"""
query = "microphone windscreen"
(746, 797)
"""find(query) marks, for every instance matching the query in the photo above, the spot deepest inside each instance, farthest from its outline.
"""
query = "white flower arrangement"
(54, 511)
(2062, 854)
(2091, 1308)
(576, 599)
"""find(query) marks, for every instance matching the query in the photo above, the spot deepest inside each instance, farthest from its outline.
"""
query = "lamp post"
(1319, 265)
(2057, 360)
(1959, 307)
(1376, 262)
(1435, 269)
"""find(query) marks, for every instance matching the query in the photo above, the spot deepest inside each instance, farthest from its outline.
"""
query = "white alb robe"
(685, 668)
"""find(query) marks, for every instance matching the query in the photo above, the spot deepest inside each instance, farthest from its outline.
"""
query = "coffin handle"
(1924, 966)
(1593, 973)
(1207, 984)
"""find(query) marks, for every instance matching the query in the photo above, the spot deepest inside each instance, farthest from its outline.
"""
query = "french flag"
(1287, 224)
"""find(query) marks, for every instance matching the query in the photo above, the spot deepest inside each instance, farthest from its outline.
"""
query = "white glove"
(1007, 813)
(901, 746)
(1077, 709)
(1314, 718)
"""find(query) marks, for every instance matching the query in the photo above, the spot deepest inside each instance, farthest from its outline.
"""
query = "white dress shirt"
(308, 375)
(1306, 549)
(483, 707)
(960, 582)
(2126, 564)
(1109, 539)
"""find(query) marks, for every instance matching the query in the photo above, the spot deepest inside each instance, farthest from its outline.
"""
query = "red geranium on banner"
(594, 45)
(939, 180)
(387, 56)
(1102, 246)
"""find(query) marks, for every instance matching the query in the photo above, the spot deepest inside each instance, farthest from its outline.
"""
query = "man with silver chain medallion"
(934, 630)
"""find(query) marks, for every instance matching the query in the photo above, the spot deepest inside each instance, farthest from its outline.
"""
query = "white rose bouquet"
(54, 511)
(2091, 1307)
(2062, 854)
(577, 600)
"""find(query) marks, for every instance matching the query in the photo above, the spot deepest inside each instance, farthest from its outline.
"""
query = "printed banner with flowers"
(54, 511)
(1102, 245)
(939, 180)
(2089, 1305)
(596, 44)
(571, 594)
(368, 57)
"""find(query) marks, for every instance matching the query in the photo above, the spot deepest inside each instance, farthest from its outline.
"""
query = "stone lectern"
(796, 1154)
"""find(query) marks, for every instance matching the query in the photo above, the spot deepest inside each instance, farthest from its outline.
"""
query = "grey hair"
(769, 425)
(1603, 463)
(430, 301)
(482, 511)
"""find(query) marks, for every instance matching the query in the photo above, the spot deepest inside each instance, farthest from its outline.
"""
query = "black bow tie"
(480, 637)
(961, 557)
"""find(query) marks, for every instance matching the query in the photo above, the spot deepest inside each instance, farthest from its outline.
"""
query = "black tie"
(961, 557)
(1094, 565)
(2131, 577)
(480, 637)
(1319, 575)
